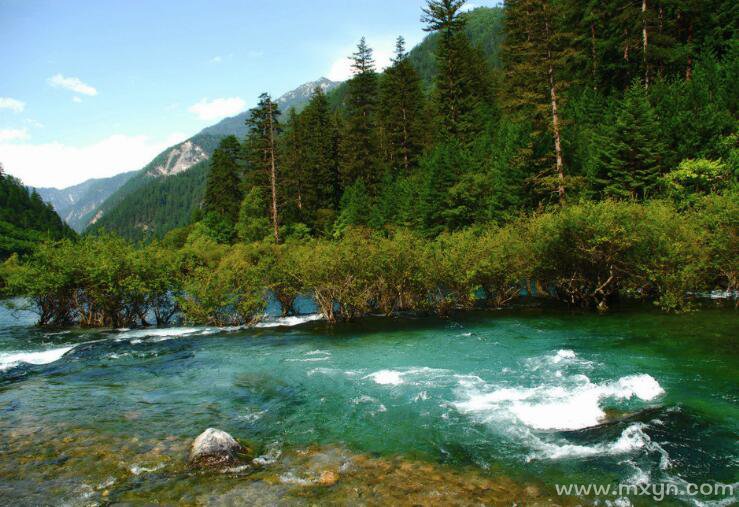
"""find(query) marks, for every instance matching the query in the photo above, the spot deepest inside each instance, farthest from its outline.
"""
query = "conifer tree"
(359, 142)
(461, 86)
(633, 161)
(294, 175)
(261, 154)
(320, 160)
(223, 185)
(401, 104)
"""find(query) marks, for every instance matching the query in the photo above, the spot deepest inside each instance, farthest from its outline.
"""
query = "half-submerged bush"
(97, 282)
(593, 252)
(587, 254)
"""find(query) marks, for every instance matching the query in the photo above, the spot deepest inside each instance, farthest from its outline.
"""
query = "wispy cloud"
(255, 53)
(72, 84)
(217, 108)
(216, 59)
(13, 134)
(17, 106)
(76, 99)
(74, 164)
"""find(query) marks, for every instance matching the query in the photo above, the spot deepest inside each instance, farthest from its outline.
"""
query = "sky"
(92, 88)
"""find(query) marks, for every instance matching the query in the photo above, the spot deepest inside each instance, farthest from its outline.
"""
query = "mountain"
(25, 219)
(78, 203)
(164, 194)
(297, 98)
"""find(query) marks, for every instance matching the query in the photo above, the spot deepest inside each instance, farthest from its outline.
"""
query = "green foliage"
(253, 225)
(223, 186)
(358, 149)
(634, 155)
(229, 290)
(98, 281)
(695, 178)
(153, 209)
(25, 220)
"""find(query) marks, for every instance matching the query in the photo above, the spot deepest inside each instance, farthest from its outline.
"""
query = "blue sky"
(93, 88)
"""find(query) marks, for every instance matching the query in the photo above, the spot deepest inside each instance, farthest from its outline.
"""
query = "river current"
(494, 407)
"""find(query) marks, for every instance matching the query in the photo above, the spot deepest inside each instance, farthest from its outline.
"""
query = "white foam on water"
(387, 377)
(563, 358)
(572, 405)
(290, 321)
(318, 352)
(12, 359)
(416, 376)
(159, 334)
(307, 359)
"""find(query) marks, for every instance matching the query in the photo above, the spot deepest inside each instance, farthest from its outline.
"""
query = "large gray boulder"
(214, 447)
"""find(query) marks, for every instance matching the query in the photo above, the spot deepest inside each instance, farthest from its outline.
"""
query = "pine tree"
(401, 105)
(461, 85)
(359, 142)
(261, 154)
(294, 174)
(633, 162)
(223, 186)
(320, 160)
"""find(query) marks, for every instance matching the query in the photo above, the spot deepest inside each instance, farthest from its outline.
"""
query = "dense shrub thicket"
(588, 255)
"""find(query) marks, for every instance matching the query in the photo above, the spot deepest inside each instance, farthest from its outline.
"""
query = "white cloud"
(76, 99)
(216, 59)
(59, 165)
(383, 49)
(72, 83)
(13, 134)
(217, 108)
(17, 106)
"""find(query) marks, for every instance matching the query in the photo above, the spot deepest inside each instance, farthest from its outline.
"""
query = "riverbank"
(589, 255)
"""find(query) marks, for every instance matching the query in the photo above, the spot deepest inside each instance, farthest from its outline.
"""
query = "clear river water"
(482, 408)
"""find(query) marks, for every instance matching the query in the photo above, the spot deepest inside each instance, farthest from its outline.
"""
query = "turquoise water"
(539, 396)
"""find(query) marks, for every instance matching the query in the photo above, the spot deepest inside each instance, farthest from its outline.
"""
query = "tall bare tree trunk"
(555, 122)
(645, 42)
(689, 68)
(273, 174)
(594, 56)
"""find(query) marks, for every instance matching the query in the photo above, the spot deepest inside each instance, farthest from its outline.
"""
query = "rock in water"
(214, 447)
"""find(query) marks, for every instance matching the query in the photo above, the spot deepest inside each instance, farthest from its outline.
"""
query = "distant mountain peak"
(297, 98)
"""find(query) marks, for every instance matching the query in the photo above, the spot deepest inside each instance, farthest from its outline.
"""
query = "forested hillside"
(25, 219)
(148, 204)
(578, 103)
(79, 203)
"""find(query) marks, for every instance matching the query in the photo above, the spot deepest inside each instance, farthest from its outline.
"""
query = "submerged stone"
(215, 447)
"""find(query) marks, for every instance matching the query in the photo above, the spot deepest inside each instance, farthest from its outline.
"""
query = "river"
(483, 407)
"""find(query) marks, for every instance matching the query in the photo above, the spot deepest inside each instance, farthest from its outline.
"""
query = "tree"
(535, 59)
(633, 162)
(461, 86)
(359, 144)
(320, 160)
(401, 105)
(262, 153)
(253, 225)
(223, 186)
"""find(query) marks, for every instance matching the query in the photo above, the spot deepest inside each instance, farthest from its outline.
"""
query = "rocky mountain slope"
(77, 204)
